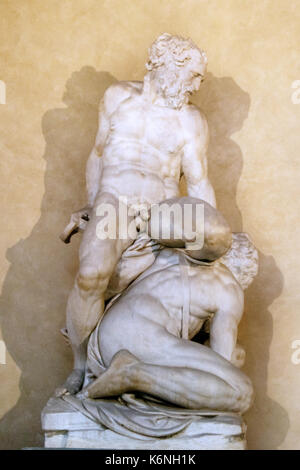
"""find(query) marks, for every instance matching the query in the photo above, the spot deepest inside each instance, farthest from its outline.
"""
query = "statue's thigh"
(123, 327)
(95, 251)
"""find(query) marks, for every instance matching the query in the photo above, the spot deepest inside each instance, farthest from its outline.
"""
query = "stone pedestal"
(64, 427)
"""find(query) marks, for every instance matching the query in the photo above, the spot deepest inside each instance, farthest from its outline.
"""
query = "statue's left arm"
(194, 157)
(224, 324)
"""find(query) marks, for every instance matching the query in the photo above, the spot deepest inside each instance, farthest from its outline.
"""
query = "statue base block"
(64, 427)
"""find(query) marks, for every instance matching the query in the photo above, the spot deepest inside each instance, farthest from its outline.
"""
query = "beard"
(173, 89)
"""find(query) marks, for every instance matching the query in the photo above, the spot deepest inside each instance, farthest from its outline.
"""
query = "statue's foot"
(72, 385)
(117, 379)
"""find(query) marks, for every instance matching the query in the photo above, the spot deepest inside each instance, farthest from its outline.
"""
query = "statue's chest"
(154, 125)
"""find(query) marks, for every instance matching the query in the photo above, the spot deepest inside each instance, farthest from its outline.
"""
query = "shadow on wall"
(43, 269)
(226, 107)
(267, 421)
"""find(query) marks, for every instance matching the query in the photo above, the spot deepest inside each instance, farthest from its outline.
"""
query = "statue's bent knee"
(246, 395)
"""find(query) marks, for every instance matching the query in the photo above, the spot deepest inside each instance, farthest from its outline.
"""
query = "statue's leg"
(186, 387)
(85, 306)
(156, 362)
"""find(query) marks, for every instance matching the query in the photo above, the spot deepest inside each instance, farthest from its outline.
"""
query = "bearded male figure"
(149, 135)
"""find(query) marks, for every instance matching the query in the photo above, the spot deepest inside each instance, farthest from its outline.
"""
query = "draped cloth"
(143, 417)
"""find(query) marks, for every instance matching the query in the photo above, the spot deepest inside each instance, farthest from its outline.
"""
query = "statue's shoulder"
(120, 91)
(193, 112)
(193, 118)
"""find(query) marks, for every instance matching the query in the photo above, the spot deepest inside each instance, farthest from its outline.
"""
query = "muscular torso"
(142, 152)
(207, 285)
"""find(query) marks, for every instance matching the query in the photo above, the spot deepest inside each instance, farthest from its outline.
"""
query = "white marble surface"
(66, 428)
(140, 343)
(149, 134)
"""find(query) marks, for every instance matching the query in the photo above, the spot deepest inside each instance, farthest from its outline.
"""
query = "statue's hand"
(81, 217)
(78, 221)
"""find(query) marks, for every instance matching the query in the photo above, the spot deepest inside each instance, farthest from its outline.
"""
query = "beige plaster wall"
(57, 57)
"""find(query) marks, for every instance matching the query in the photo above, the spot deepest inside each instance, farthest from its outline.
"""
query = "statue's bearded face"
(177, 82)
(192, 74)
(177, 67)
